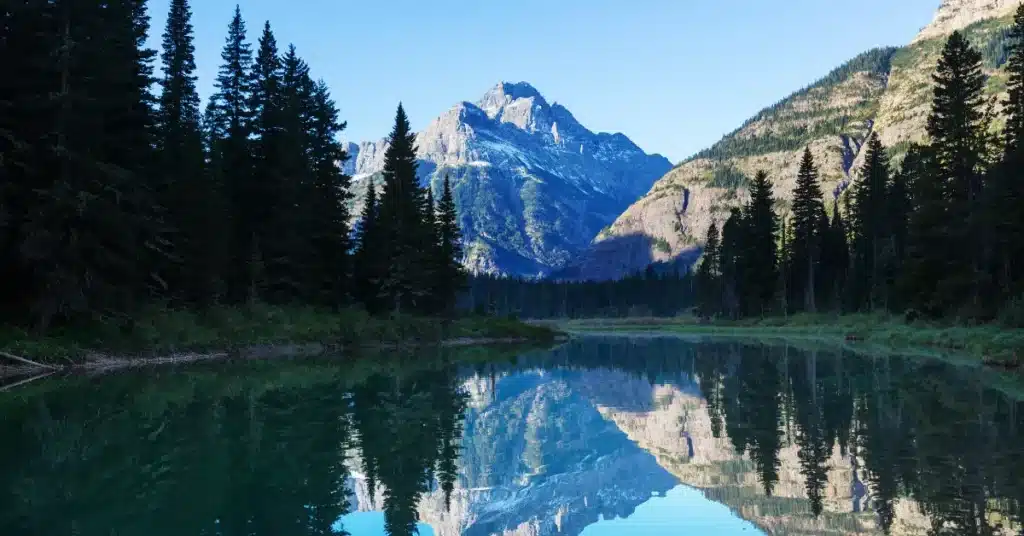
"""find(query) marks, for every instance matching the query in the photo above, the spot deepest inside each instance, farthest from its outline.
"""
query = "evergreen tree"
(329, 232)
(403, 229)
(451, 277)
(1014, 105)
(229, 121)
(784, 254)
(957, 132)
(924, 266)
(710, 297)
(368, 263)
(731, 261)
(898, 215)
(760, 264)
(805, 256)
(82, 223)
(869, 220)
(1006, 190)
(185, 191)
(835, 259)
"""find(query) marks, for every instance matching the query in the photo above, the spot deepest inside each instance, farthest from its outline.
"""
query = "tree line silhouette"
(116, 195)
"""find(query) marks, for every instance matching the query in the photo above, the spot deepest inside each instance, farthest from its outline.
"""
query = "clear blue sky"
(673, 75)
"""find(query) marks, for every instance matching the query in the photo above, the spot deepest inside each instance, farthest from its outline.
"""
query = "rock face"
(884, 91)
(956, 14)
(533, 186)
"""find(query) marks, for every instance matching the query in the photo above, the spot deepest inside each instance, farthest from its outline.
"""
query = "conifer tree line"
(939, 236)
(117, 191)
(663, 293)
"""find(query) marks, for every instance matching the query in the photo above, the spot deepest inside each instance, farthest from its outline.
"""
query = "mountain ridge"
(533, 185)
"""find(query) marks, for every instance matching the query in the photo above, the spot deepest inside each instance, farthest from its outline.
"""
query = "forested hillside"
(938, 235)
(885, 91)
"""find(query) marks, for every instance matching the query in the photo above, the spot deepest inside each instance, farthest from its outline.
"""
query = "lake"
(601, 436)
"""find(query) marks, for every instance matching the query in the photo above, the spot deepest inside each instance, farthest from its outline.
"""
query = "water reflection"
(595, 436)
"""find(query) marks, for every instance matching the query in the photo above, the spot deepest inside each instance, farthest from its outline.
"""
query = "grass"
(992, 343)
(168, 331)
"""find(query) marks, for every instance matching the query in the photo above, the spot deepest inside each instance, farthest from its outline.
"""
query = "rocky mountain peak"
(533, 186)
(518, 104)
(958, 14)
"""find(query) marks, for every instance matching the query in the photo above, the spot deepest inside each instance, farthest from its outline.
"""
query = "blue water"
(371, 524)
(683, 510)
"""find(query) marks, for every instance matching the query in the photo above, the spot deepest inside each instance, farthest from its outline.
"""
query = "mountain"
(885, 91)
(533, 186)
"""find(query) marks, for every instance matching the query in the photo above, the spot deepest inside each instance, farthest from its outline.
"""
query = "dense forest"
(941, 236)
(651, 293)
(118, 193)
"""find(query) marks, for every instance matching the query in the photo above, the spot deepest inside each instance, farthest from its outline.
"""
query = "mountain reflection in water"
(603, 435)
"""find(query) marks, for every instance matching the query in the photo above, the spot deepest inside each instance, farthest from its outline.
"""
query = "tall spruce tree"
(269, 204)
(185, 191)
(732, 262)
(898, 212)
(81, 203)
(402, 223)
(709, 295)
(329, 234)
(808, 212)
(835, 259)
(1006, 189)
(368, 268)
(870, 221)
(956, 128)
(924, 266)
(229, 119)
(761, 265)
(452, 276)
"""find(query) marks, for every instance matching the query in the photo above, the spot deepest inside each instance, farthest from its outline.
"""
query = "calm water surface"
(601, 437)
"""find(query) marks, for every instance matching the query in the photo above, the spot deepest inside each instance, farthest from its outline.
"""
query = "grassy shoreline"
(176, 335)
(994, 345)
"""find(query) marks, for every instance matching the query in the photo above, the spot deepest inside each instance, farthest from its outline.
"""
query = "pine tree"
(229, 120)
(368, 267)
(927, 242)
(80, 204)
(272, 204)
(731, 260)
(898, 215)
(761, 265)
(1014, 104)
(331, 269)
(402, 223)
(835, 259)
(784, 254)
(185, 191)
(452, 276)
(870, 219)
(710, 296)
(956, 130)
(808, 212)
(1006, 190)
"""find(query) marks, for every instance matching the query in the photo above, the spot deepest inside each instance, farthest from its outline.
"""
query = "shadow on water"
(552, 442)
